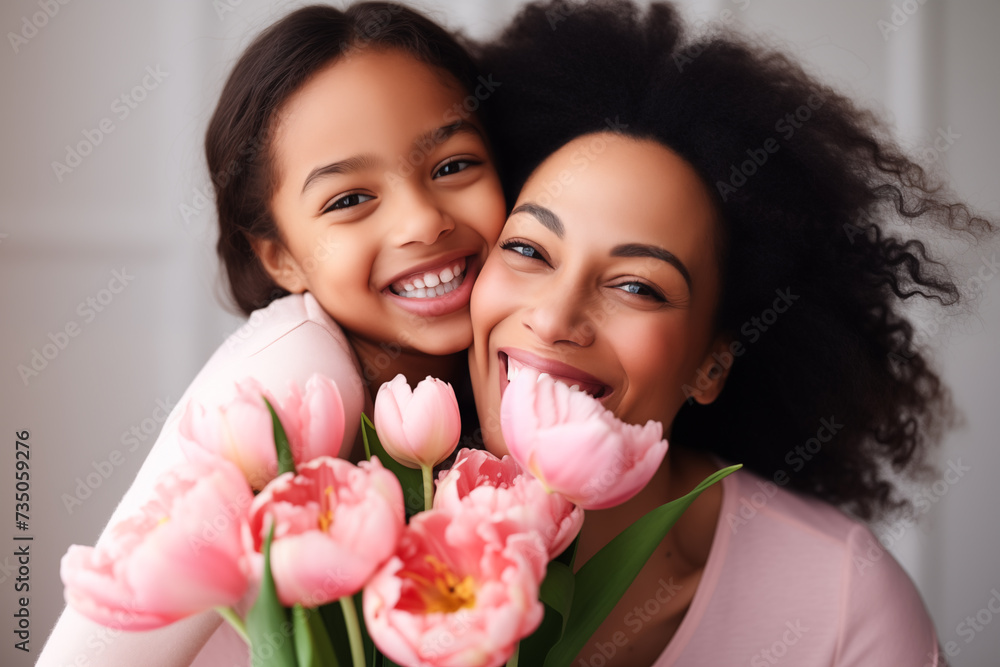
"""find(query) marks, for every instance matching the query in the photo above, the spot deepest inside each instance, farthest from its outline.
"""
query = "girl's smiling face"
(606, 276)
(386, 201)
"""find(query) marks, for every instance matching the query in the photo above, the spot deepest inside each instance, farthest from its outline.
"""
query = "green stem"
(234, 619)
(513, 659)
(428, 473)
(353, 630)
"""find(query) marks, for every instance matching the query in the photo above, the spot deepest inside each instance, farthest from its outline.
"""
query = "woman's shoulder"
(794, 575)
(787, 512)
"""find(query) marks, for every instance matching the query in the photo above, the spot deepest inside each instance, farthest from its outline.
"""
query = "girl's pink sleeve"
(292, 341)
(884, 618)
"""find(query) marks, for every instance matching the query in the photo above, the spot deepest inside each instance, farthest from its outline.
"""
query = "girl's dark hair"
(273, 67)
(834, 394)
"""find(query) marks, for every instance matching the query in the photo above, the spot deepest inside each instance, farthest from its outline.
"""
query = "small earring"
(714, 372)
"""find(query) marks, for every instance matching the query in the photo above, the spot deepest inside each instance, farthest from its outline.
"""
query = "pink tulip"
(449, 598)
(241, 430)
(574, 446)
(418, 428)
(182, 554)
(507, 500)
(334, 524)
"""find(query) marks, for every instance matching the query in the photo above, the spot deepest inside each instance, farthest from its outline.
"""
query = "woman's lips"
(513, 360)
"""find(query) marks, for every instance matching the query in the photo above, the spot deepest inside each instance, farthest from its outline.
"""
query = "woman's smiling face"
(606, 276)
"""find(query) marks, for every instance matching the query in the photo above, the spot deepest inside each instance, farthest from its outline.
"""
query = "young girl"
(357, 202)
(759, 318)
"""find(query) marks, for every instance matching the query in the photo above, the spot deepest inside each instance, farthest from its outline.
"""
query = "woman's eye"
(347, 201)
(454, 167)
(641, 289)
(522, 249)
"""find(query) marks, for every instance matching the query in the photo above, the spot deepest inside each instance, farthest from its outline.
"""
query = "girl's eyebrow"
(368, 161)
(446, 132)
(355, 163)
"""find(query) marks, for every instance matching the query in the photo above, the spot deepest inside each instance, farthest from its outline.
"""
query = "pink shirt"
(287, 341)
(792, 580)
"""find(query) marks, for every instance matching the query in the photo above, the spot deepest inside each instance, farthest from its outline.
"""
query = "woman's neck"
(672, 575)
(691, 537)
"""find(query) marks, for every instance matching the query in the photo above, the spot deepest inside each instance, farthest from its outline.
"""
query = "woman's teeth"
(431, 284)
(514, 369)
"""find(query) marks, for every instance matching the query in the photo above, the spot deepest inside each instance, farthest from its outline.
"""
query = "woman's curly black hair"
(811, 194)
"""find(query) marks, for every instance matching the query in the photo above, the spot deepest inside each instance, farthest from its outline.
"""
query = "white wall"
(63, 236)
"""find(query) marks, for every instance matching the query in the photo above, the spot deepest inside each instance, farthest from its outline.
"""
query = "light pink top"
(792, 580)
(287, 341)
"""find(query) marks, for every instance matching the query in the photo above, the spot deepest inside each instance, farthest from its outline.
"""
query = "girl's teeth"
(432, 284)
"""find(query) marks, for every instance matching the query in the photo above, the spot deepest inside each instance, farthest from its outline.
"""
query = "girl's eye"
(522, 248)
(454, 167)
(641, 289)
(347, 201)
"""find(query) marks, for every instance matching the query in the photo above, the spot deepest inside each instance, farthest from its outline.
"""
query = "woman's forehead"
(622, 189)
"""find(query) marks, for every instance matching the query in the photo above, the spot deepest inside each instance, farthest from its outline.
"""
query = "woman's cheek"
(655, 360)
(489, 295)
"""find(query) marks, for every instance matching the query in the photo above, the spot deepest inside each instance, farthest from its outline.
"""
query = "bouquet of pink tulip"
(265, 512)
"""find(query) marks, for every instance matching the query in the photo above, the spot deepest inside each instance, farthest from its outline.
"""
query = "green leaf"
(410, 479)
(568, 556)
(312, 643)
(557, 589)
(285, 461)
(604, 578)
(267, 622)
(557, 594)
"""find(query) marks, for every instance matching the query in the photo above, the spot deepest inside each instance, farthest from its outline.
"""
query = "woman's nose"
(419, 217)
(560, 316)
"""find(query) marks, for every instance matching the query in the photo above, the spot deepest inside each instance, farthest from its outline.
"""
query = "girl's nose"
(420, 218)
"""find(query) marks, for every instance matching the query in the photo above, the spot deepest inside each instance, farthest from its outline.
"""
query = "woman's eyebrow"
(355, 163)
(655, 252)
(549, 219)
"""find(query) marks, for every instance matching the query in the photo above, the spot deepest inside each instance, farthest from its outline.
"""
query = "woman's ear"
(280, 265)
(711, 375)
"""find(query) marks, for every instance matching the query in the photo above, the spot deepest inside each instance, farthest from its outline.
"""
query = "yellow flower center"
(445, 592)
(326, 511)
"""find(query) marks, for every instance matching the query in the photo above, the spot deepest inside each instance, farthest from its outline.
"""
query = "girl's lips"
(442, 278)
(445, 304)
(512, 360)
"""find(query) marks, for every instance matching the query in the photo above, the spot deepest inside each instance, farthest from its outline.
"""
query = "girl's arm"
(288, 341)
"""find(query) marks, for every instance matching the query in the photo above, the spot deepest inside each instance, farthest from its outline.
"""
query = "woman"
(709, 241)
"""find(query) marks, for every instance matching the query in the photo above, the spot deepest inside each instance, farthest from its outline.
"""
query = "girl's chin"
(493, 436)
